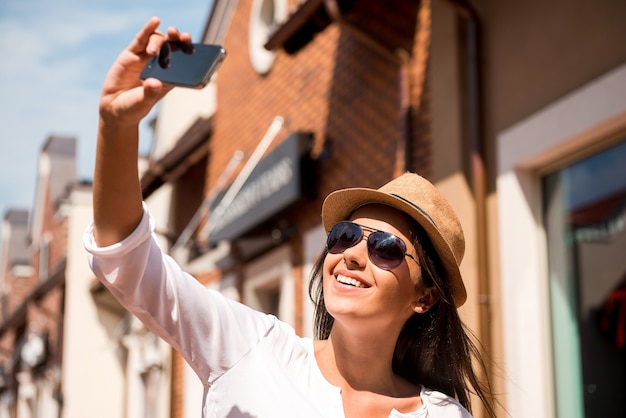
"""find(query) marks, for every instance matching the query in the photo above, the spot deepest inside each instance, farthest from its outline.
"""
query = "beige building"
(64, 349)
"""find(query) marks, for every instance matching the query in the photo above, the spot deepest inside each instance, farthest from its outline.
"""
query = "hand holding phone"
(185, 64)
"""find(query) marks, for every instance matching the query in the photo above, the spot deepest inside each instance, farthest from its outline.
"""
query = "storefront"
(562, 212)
(254, 225)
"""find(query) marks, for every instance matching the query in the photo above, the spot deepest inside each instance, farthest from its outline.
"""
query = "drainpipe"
(471, 26)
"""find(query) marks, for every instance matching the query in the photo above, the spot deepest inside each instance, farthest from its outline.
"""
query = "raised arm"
(124, 101)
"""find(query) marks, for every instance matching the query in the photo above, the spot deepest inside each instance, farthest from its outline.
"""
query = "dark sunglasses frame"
(384, 249)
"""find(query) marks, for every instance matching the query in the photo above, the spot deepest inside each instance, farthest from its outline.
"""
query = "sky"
(54, 55)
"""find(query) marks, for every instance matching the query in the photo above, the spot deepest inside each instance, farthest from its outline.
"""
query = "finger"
(152, 90)
(134, 104)
(173, 34)
(155, 88)
(140, 43)
(185, 37)
(154, 43)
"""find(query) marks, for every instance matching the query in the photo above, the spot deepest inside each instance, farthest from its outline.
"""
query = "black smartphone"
(185, 64)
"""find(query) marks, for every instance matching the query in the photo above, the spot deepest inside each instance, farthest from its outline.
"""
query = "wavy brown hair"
(434, 349)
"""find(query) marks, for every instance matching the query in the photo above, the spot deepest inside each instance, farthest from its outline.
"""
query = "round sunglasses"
(384, 249)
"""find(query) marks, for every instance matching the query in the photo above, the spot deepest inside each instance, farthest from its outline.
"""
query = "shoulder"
(441, 405)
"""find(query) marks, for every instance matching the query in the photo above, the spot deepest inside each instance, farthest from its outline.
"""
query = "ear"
(425, 299)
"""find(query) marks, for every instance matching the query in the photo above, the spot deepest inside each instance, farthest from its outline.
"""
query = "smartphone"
(185, 64)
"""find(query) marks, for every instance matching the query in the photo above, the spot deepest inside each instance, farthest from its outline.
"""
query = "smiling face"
(355, 289)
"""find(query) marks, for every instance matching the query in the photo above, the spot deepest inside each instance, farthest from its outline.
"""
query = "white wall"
(178, 111)
(93, 380)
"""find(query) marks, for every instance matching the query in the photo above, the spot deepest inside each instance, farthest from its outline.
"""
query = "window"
(583, 123)
(265, 15)
(269, 285)
(268, 296)
(585, 222)
(44, 257)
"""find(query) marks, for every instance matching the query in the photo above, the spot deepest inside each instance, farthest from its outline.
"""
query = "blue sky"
(54, 56)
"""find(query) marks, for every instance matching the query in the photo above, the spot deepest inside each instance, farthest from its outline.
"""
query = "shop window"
(585, 222)
(269, 285)
(268, 296)
(548, 292)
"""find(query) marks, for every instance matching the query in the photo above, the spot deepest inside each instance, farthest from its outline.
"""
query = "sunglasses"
(385, 250)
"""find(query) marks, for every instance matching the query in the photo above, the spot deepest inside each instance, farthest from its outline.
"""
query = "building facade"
(307, 101)
(31, 327)
(64, 351)
(515, 111)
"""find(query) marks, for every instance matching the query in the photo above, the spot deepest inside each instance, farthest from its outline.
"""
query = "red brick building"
(345, 83)
(31, 327)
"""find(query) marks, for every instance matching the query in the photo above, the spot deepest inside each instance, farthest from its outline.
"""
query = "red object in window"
(613, 316)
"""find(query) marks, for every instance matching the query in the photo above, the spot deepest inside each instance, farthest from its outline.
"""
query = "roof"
(391, 25)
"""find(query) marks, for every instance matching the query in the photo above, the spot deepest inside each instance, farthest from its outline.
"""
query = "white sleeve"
(210, 331)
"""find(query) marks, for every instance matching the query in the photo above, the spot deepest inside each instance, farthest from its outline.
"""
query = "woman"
(390, 340)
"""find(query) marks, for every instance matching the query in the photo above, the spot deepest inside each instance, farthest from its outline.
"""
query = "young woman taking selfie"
(389, 340)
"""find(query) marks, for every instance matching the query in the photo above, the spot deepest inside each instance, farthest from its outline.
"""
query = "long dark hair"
(434, 349)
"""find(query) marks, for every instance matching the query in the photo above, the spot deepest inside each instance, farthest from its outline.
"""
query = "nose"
(356, 256)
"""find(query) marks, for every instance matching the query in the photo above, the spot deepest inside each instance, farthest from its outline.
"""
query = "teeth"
(349, 281)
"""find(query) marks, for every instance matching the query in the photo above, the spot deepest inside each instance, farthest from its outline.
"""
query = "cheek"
(329, 265)
(403, 288)
(330, 262)
(409, 283)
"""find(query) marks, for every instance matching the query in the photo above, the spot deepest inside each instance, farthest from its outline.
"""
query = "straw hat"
(418, 198)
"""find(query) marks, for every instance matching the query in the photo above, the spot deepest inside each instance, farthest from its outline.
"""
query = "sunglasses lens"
(385, 250)
(343, 236)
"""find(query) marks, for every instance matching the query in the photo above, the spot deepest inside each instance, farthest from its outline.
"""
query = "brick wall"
(338, 87)
(34, 304)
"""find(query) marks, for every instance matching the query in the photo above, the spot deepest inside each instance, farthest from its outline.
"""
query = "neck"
(361, 362)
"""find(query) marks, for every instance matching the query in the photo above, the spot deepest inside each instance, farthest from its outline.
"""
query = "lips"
(350, 281)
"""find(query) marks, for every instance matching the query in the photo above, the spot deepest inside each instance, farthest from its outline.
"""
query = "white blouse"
(251, 364)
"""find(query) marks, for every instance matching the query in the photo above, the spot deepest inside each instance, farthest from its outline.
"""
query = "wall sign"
(275, 183)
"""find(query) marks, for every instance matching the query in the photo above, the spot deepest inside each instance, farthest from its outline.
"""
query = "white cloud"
(52, 68)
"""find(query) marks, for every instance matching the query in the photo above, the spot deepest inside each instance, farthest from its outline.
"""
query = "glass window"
(264, 17)
(268, 297)
(268, 284)
(585, 220)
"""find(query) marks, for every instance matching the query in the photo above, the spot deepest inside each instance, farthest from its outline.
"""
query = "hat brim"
(339, 205)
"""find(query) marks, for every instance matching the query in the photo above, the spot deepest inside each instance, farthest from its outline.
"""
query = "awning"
(300, 27)
(390, 25)
(188, 150)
